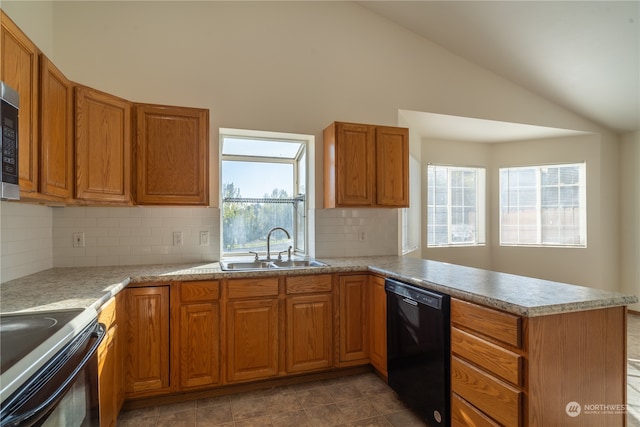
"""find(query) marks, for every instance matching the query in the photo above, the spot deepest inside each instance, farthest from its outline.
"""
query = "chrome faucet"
(269, 240)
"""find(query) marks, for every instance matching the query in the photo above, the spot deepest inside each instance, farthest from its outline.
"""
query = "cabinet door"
(252, 339)
(110, 362)
(309, 333)
(56, 132)
(103, 147)
(354, 339)
(392, 166)
(107, 392)
(199, 344)
(148, 340)
(19, 69)
(378, 324)
(349, 163)
(172, 155)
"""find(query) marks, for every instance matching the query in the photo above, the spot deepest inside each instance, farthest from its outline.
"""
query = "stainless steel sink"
(269, 265)
(299, 263)
(254, 265)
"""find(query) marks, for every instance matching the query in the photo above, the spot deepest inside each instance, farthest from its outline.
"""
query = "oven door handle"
(48, 402)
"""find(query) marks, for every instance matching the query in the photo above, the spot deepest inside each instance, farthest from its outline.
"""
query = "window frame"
(480, 206)
(582, 190)
(299, 183)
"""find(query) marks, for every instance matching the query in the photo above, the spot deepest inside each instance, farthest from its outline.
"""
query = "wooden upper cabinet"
(366, 166)
(103, 147)
(19, 69)
(348, 168)
(392, 166)
(56, 132)
(172, 155)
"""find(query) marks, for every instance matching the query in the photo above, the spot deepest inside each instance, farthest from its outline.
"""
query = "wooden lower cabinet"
(252, 339)
(110, 366)
(252, 328)
(353, 316)
(487, 365)
(195, 334)
(147, 355)
(378, 324)
(513, 371)
(309, 323)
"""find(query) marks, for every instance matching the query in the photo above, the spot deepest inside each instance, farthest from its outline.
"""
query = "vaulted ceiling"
(582, 55)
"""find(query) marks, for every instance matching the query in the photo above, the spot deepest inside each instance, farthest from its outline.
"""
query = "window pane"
(256, 179)
(262, 181)
(232, 146)
(452, 205)
(245, 226)
(551, 212)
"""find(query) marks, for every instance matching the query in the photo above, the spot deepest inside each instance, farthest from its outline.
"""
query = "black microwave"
(9, 174)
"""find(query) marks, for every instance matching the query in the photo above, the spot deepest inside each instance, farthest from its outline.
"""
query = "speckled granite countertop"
(92, 286)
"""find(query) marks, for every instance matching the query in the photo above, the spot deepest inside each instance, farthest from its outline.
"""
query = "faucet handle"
(288, 251)
(256, 255)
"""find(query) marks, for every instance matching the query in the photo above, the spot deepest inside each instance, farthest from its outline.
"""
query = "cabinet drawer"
(504, 327)
(464, 415)
(308, 284)
(107, 315)
(495, 398)
(249, 288)
(199, 291)
(495, 359)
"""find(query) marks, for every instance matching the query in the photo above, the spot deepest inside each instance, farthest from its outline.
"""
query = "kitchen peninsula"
(555, 343)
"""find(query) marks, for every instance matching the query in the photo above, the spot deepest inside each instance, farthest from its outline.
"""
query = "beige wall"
(597, 264)
(280, 66)
(630, 215)
(458, 153)
(35, 18)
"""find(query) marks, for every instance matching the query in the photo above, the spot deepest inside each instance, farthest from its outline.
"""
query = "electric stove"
(29, 340)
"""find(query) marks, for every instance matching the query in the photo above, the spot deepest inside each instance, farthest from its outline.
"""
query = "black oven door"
(64, 392)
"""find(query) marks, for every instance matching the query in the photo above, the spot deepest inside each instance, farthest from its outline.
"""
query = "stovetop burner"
(9, 325)
(28, 340)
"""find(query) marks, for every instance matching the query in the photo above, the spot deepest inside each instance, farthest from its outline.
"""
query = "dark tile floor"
(360, 400)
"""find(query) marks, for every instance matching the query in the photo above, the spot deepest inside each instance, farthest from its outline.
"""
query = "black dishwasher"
(418, 345)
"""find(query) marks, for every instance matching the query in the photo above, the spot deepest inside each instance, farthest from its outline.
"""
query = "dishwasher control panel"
(419, 295)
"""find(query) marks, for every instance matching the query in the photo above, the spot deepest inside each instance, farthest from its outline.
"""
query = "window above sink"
(264, 182)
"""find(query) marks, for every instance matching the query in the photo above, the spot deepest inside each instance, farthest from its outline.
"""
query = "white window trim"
(480, 208)
(310, 196)
(583, 202)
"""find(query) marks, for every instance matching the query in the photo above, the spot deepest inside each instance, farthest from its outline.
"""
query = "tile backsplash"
(25, 240)
(135, 235)
(35, 238)
(356, 232)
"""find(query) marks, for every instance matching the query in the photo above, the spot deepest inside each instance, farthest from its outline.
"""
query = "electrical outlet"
(177, 238)
(362, 236)
(78, 240)
(204, 238)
